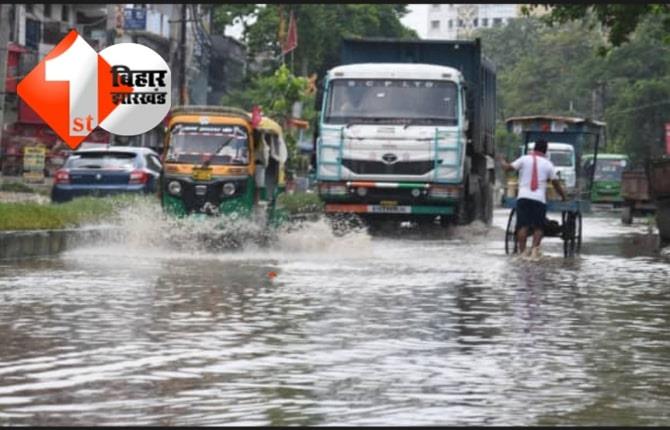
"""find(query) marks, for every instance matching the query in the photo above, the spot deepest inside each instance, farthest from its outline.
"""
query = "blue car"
(103, 172)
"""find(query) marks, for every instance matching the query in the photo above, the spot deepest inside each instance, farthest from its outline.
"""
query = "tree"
(619, 20)
(545, 70)
(321, 28)
(276, 95)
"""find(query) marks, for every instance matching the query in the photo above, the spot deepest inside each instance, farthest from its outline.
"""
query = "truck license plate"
(390, 209)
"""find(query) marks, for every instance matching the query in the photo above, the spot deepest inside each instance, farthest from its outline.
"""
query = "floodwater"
(417, 329)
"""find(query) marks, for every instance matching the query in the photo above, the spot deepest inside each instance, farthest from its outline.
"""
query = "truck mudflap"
(389, 209)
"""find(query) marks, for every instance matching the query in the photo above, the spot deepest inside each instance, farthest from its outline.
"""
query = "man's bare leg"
(521, 237)
(537, 237)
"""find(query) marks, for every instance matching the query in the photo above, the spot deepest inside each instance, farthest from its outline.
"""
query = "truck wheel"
(462, 213)
(627, 215)
(487, 195)
(344, 223)
(476, 206)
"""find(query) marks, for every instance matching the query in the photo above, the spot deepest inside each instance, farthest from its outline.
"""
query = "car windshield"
(195, 144)
(102, 160)
(392, 101)
(561, 158)
(609, 170)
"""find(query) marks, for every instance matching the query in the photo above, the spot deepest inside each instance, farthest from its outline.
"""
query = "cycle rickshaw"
(584, 135)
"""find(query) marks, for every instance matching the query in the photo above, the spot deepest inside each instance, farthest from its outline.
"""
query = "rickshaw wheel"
(510, 234)
(579, 232)
(569, 233)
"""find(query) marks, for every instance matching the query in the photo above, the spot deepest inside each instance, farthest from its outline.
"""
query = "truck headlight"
(174, 187)
(444, 192)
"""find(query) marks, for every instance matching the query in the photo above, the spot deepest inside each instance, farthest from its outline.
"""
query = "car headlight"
(174, 187)
(228, 189)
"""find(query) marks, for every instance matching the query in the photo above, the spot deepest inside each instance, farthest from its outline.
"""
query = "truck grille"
(364, 167)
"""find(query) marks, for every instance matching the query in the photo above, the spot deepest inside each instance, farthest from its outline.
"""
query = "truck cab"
(406, 132)
(392, 139)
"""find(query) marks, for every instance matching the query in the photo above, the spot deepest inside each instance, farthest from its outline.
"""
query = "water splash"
(144, 229)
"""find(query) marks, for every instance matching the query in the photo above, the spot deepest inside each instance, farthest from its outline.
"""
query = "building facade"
(459, 21)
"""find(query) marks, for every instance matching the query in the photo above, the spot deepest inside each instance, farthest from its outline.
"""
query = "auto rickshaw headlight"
(174, 187)
(228, 189)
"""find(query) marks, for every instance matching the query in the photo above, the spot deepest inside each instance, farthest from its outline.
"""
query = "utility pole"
(4, 41)
(182, 57)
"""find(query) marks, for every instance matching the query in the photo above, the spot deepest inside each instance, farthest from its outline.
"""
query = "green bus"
(606, 178)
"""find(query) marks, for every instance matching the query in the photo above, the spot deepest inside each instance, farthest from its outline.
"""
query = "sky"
(417, 19)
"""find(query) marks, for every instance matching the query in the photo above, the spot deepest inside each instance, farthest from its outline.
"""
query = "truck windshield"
(194, 144)
(392, 101)
(561, 158)
(609, 170)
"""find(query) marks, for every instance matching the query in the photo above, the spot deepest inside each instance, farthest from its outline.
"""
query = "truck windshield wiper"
(360, 120)
(415, 121)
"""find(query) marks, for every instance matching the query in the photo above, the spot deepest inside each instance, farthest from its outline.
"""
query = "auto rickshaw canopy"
(210, 110)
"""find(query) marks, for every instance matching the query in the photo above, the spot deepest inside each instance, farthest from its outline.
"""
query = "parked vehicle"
(406, 132)
(216, 162)
(635, 194)
(562, 155)
(606, 177)
(659, 184)
(103, 172)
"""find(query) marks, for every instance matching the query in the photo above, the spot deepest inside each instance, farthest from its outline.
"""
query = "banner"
(33, 163)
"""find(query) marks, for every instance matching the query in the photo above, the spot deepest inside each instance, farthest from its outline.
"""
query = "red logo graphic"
(74, 89)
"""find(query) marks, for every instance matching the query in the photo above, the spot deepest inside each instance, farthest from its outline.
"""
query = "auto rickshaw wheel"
(510, 234)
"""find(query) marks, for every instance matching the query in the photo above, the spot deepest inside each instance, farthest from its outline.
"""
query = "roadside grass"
(20, 187)
(299, 203)
(80, 211)
(16, 187)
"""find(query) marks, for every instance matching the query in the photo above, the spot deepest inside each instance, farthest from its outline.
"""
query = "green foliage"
(557, 70)
(619, 20)
(276, 94)
(16, 187)
(80, 211)
(321, 28)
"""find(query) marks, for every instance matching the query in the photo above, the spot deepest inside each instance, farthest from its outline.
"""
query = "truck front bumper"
(389, 209)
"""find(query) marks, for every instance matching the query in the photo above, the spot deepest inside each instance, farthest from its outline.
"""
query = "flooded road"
(355, 330)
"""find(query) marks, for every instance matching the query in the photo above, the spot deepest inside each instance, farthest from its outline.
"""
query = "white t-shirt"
(545, 173)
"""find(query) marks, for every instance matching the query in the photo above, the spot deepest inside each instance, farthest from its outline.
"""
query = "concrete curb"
(35, 243)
